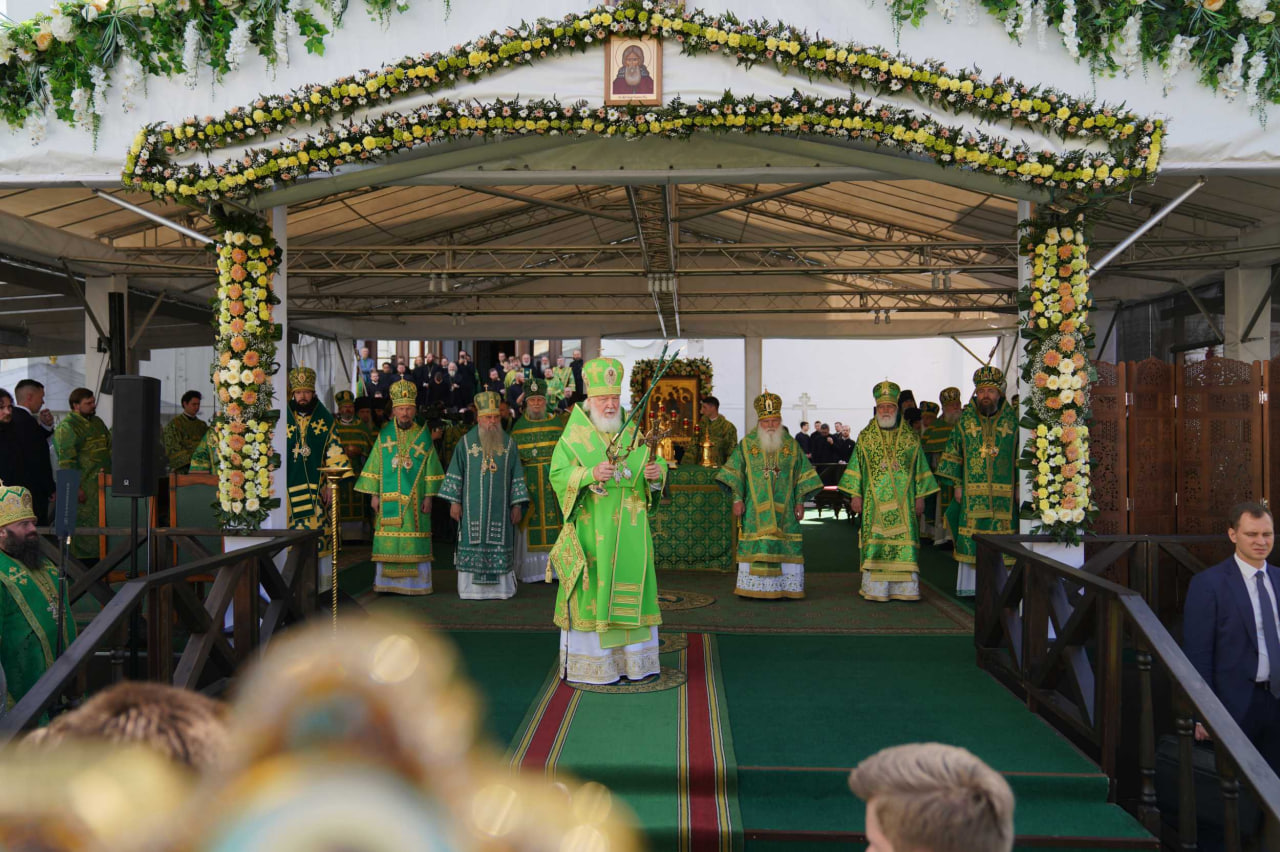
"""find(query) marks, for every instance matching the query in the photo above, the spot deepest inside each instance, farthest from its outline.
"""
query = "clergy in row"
(401, 476)
(886, 481)
(184, 433)
(981, 464)
(311, 444)
(357, 439)
(83, 442)
(769, 478)
(607, 602)
(28, 600)
(486, 485)
(934, 440)
(535, 435)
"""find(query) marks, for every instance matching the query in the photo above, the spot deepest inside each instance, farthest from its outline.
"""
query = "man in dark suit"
(32, 427)
(1231, 630)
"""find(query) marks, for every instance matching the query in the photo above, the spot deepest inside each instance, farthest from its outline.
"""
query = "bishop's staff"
(611, 452)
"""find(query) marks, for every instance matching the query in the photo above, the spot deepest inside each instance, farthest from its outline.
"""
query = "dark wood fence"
(168, 600)
(1092, 651)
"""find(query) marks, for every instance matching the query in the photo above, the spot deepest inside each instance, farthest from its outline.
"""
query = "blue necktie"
(1269, 631)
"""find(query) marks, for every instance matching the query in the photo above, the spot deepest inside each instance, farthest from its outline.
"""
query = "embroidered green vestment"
(182, 437)
(84, 444)
(312, 444)
(771, 485)
(402, 470)
(487, 487)
(604, 554)
(29, 624)
(889, 472)
(536, 441)
(981, 457)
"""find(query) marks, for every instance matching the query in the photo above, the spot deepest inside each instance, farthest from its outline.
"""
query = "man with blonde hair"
(930, 797)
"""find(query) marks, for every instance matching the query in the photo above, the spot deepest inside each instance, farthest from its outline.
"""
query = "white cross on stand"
(803, 405)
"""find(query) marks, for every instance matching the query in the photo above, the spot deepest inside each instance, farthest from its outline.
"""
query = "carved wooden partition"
(1273, 427)
(1108, 441)
(1153, 460)
(1221, 445)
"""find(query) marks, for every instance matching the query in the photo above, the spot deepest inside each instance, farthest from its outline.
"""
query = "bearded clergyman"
(981, 464)
(886, 481)
(311, 445)
(607, 601)
(536, 434)
(769, 478)
(402, 474)
(486, 486)
(28, 599)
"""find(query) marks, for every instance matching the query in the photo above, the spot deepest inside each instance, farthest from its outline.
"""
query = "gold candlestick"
(333, 475)
(707, 461)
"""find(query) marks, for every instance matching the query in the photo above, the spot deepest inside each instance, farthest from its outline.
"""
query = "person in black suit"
(32, 427)
(8, 448)
(802, 438)
(1231, 630)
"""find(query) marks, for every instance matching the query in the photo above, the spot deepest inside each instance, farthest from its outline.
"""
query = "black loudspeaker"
(135, 436)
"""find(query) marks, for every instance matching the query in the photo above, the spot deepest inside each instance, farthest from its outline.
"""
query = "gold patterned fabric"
(770, 485)
(889, 472)
(981, 457)
(536, 440)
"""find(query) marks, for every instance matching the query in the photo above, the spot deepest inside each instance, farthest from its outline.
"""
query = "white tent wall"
(1200, 119)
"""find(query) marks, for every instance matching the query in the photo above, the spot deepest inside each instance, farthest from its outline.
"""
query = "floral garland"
(1212, 35)
(1056, 306)
(644, 369)
(246, 347)
(1134, 143)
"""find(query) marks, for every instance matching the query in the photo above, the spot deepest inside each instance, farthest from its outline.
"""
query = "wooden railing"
(237, 581)
(1091, 657)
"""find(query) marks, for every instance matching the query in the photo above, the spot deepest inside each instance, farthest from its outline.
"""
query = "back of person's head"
(23, 389)
(185, 726)
(930, 797)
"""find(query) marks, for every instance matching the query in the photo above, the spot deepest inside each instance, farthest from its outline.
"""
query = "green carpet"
(881, 691)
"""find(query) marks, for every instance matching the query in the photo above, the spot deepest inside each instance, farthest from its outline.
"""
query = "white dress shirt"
(1249, 572)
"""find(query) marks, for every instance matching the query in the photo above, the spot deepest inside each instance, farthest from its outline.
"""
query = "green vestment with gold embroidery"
(981, 457)
(536, 441)
(84, 444)
(604, 555)
(182, 437)
(771, 485)
(487, 487)
(205, 457)
(724, 437)
(889, 472)
(357, 440)
(564, 375)
(934, 440)
(312, 444)
(29, 624)
(402, 469)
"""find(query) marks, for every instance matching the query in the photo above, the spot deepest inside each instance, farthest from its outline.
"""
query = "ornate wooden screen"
(1107, 449)
(1273, 428)
(1153, 484)
(1220, 441)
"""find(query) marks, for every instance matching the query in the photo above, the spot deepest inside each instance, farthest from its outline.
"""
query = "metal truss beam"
(652, 209)
(639, 303)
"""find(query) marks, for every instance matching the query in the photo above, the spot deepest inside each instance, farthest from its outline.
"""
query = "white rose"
(1077, 515)
(252, 504)
(1066, 368)
(1067, 396)
(1267, 17)
(63, 27)
(247, 377)
(226, 505)
(237, 507)
(1052, 384)
(1049, 516)
(234, 391)
(234, 364)
(1077, 382)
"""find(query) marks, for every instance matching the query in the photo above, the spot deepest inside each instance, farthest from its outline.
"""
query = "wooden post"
(1148, 807)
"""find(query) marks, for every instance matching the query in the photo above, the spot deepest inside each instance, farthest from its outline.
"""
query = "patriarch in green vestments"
(312, 444)
(486, 485)
(83, 442)
(769, 478)
(887, 480)
(536, 434)
(184, 434)
(28, 599)
(402, 474)
(981, 464)
(607, 601)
